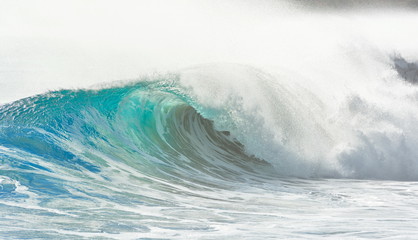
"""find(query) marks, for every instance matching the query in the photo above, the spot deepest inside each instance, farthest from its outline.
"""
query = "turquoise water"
(146, 160)
(87, 162)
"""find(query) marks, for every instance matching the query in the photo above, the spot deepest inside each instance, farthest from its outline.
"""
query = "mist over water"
(51, 45)
(208, 119)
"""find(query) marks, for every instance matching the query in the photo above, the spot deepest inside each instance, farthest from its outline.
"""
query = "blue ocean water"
(147, 160)
(123, 147)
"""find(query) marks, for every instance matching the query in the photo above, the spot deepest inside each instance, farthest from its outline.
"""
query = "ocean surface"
(277, 120)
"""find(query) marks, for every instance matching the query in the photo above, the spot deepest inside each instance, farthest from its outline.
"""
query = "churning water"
(311, 133)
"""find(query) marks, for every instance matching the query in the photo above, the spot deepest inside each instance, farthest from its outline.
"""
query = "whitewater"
(208, 119)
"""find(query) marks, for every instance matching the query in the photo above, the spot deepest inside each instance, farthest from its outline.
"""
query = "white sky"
(49, 44)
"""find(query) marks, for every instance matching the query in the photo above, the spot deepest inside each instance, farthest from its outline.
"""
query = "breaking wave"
(166, 128)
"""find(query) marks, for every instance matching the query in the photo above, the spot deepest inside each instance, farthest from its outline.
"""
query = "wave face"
(150, 128)
(169, 126)
(127, 147)
(139, 155)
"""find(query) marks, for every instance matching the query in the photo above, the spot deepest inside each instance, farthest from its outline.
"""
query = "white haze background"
(48, 45)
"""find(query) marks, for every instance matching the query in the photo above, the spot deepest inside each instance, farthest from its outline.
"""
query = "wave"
(150, 128)
(168, 130)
